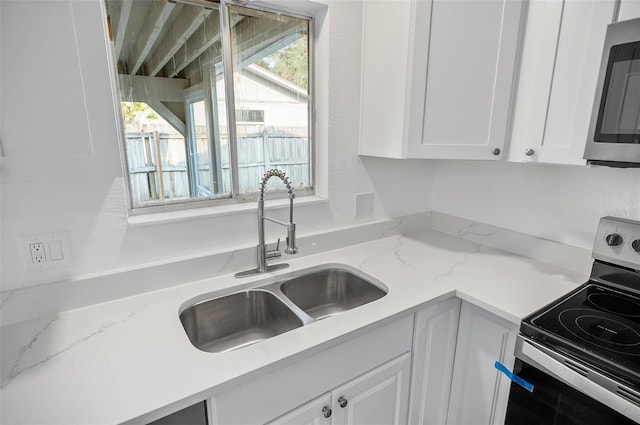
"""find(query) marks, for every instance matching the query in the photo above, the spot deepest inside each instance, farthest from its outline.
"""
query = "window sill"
(219, 211)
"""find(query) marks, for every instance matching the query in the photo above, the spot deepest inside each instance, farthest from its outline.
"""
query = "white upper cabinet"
(471, 63)
(629, 9)
(482, 79)
(391, 102)
(437, 77)
(560, 63)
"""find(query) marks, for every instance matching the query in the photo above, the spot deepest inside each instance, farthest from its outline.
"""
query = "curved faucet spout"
(263, 254)
(274, 172)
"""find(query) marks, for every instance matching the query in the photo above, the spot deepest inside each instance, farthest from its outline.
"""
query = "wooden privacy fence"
(259, 151)
(151, 155)
(158, 162)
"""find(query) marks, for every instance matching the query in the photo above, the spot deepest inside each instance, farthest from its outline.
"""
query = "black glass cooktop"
(595, 323)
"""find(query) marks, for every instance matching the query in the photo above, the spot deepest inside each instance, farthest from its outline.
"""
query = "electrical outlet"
(46, 251)
(38, 255)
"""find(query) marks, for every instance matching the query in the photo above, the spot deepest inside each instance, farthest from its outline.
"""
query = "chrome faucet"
(263, 254)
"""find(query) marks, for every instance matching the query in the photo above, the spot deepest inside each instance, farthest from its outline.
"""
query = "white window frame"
(194, 95)
(236, 197)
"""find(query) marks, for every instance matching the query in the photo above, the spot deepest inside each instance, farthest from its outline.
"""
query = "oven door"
(562, 395)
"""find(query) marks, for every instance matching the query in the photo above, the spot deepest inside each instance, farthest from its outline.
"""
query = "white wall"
(61, 167)
(61, 170)
(561, 203)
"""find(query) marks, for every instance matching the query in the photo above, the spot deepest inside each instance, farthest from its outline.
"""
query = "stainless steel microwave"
(614, 131)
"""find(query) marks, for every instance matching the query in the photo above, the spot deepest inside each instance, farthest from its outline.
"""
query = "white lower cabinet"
(432, 368)
(315, 412)
(434, 348)
(454, 380)
(362, 380)
(479, 393)
(377, 397)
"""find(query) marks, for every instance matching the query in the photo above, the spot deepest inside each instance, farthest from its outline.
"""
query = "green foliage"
(132, 109)
(290, 63)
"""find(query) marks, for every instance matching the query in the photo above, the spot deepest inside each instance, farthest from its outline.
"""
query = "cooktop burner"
(614, 303)
(600, 330)
(597, 323)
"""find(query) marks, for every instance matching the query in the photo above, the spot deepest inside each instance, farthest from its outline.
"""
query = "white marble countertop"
(129, 360)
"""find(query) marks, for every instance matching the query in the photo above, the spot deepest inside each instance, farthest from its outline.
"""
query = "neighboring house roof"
(270, 76)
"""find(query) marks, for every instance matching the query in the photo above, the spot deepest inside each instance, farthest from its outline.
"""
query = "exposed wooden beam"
(113, 10)
(183, 27)
(169, 116)
(159, 13)
(210, 57)
(253, 45)
(256, 38)
(271, 46)
(208, 35)
(140, 88)
(204, 37)
(154, 91)
(123, 21)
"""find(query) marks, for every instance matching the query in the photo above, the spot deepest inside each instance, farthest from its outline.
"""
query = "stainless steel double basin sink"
(243, 318)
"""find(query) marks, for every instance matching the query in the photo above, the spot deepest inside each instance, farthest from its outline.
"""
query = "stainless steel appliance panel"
(614, 130)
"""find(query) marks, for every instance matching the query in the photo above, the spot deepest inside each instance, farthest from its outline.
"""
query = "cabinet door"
(390, 104)
(270, 395)
(434, 348)
(472, 54)
(560, 64)
(316, 412)
(479, 393)
(377, 397)
(629, 9)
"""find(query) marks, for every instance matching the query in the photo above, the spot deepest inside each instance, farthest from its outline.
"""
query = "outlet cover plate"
(57, 251)
(364, 205)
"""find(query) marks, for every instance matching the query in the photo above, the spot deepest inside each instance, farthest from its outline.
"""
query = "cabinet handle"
(496, 152)
(326, 412)
(529, 152)
(342, 402)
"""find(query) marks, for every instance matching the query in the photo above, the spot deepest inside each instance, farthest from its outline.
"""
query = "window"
(207, 112)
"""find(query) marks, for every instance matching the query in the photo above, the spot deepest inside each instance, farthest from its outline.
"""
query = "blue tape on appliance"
(514, 378)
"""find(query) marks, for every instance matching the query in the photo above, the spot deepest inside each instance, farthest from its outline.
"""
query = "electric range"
(584, 348)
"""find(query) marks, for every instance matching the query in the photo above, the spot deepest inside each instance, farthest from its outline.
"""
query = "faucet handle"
(274, 253)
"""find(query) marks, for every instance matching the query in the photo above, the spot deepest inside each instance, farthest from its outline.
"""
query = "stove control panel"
(618, 242)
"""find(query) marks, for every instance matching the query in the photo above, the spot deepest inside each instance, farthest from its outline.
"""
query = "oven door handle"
(607, 391)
